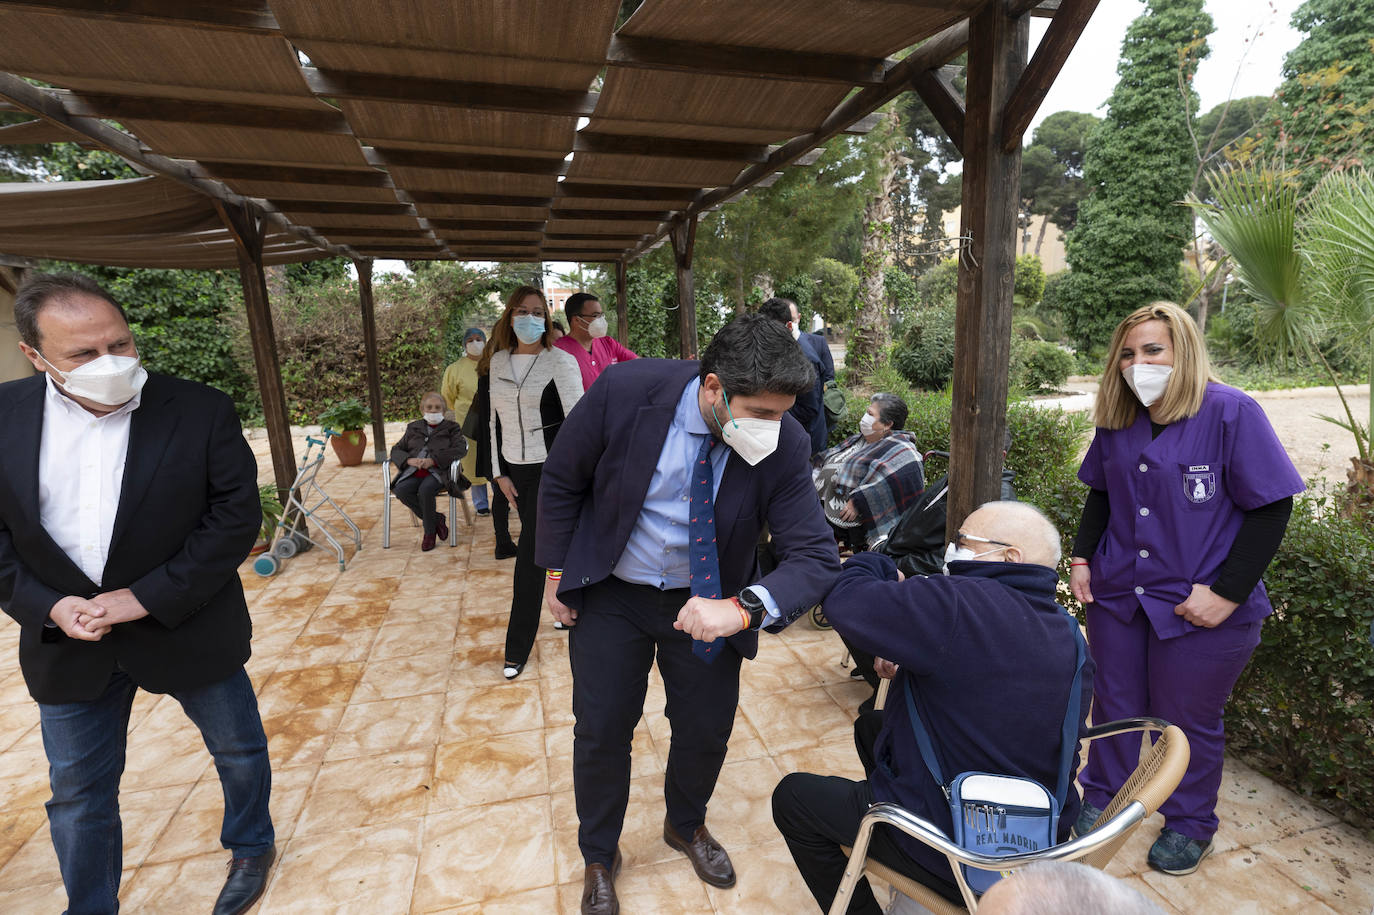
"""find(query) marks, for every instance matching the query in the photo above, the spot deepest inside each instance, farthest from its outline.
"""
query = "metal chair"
(454, 499)
(1154, 779)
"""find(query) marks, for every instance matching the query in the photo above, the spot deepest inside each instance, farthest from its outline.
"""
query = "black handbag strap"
(1068, 735)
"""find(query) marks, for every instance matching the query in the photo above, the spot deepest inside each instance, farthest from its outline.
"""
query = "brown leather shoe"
(708, 859)
(598, 889)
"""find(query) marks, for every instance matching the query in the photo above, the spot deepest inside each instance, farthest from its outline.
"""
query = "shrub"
(1047, 366)
(1029, 282)
(939, 285)
(1303, 710)
(924, 353)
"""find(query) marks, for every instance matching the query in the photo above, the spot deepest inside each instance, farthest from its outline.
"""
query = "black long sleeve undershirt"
(1261, 532)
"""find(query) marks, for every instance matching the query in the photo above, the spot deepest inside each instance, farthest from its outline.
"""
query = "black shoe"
(505, 549)
(484, 511)
(512, 669)
(247, 879)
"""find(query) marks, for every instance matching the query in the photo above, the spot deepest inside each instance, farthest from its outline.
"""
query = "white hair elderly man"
(989, 658)
(1064, 888)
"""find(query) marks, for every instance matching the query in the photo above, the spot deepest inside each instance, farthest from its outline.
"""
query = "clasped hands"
(1203, 607)
(89, 620)
(422, 463)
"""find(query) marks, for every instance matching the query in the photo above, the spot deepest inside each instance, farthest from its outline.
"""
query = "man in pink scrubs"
(587, 340)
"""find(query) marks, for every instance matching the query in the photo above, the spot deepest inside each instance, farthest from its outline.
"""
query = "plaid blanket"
(882, 478)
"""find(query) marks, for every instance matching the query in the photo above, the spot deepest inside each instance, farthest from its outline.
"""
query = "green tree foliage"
(1328, 91)
(1052, 182)
(923, 192)
(1229, 125)
(19, 163)
(902, 293)
(1126, 247)
(939, 285)
(1029, 283)
(836, 286)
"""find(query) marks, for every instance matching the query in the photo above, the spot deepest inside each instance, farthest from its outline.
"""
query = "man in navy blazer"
(127, 502)
(614, 515)
(809, 409)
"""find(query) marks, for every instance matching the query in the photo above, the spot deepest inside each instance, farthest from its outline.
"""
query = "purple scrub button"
(1139, 589)
(1144, 512)
(1144, 467)
(1144, 554)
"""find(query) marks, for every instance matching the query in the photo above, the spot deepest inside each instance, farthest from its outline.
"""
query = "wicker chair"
(1158, 774)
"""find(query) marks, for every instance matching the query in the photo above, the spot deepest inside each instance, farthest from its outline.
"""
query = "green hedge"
(1303, 710)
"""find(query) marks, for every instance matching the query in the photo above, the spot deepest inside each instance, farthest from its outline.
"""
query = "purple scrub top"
(1177, 502)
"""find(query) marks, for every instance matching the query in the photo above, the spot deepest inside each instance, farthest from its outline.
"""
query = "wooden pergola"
(525, 130)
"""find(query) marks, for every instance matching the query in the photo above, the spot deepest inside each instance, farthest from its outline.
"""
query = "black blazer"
(600, 468)
(188, 514)
(445, 442)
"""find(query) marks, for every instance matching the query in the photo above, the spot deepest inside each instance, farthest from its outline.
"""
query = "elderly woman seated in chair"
(867, 481)
(423, 457)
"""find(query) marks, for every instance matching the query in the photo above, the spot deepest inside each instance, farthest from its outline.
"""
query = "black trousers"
(527, 595)
(620, 630)
(418, 495)
(500, 513)
(817, 814)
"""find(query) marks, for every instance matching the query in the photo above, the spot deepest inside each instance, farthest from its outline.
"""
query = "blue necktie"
(703, 565)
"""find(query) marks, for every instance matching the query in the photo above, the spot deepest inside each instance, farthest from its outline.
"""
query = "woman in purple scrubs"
(1190, 494)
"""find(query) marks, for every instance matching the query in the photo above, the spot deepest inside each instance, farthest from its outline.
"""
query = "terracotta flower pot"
(349, 447)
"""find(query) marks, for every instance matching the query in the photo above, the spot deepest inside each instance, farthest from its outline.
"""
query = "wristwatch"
(753, 605)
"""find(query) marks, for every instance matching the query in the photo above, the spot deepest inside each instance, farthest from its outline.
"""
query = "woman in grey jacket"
(533, 386)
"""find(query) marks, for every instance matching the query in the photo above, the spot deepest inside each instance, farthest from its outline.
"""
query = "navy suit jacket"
(188, 514)
(824, 365)
(603, 460)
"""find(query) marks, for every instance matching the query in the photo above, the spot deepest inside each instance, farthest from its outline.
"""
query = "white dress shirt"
(80, 475)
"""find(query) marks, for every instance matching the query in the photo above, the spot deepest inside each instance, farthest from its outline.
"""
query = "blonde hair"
(1117, 405)
(503, 336)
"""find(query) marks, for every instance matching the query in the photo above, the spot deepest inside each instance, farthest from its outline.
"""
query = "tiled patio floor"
(410, 777)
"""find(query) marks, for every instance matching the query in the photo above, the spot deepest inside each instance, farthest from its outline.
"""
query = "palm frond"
(1338, 235)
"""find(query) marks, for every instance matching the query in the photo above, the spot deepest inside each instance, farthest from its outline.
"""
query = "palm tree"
(1309, 265)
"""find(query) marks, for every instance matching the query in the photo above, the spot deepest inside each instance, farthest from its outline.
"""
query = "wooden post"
(374, 378)
(684, 236)
(622, 305)
(996, 58)
(247, 229)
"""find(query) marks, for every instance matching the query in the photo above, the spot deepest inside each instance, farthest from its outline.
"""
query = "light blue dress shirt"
(656, 553)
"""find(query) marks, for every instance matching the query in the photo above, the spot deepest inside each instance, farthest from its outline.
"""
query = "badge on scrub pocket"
(1199, 482)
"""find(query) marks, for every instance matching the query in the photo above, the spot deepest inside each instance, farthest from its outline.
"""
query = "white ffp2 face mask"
(1147, 381)
(963, 554)
(475, 348)
(597, 327)
(750, 438)
(433, 419)
(109, 380)
(866, 424)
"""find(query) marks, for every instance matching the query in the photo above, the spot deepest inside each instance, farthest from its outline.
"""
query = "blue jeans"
(479, 496)
(85, 743)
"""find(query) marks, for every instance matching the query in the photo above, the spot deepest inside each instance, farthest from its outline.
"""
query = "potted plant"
(347, 419)
(271, 514)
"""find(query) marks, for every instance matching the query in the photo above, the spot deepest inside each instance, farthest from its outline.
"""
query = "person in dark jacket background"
(989, 657)
(422, 458)
(809, 410)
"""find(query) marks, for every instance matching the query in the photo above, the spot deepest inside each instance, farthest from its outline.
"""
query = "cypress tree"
(1127, 246)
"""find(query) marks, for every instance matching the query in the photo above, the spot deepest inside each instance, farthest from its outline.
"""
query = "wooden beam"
(37, 131)
(668, 147)
(401, 251)
(938, 49)
(231, 15)
(246, 228)
(291, 205)
(1044, 67)
(982, 326)
(366, 232)
(489, 225)
(613, 215)
(481, 200)
(944, 102)
(609, 237)
(374, 375)
(622, 305)
(486, 96)
(45, 104)
(568, 189)
(863, 125)
(1043, 9)
(425, 158)
(684, 238)
(296, 174)
(581, 254)
(183, 111)
(731, 60)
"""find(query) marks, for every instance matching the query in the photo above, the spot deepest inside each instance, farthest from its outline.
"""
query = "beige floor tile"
(837, 758)
(1137, 883)
(320, 649)
(556, 699)
(479, 853)
(1335, 861)
(767, 882)
(372, 728)
(310, 687)
(401, 640)
(641, 837)
(504, 709)
(18, 827)
(396, 678)
(369, 791)
(1241, 882)
(346, 616)
(543, 901)
(352, 872)
(670, 886)
(33, 863)
(176, 887)
(477, 666)
(480, 630)
(49, 897)
(1254, 810)
(484, 770)
(361, 590)
(805, 718)
(15, 722)
(301, 736)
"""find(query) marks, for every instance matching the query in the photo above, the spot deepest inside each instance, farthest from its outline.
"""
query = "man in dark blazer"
(127, 502)
(618, 504)
(809, 409)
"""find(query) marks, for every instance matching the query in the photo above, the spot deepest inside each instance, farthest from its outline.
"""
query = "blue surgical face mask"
(528, 328)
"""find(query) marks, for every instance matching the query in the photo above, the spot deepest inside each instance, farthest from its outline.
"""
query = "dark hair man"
(653, 499)
(127, 502)
(989, 658)
(809, 409)
(587, 340)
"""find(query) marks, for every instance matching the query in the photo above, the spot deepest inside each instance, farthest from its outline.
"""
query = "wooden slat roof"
(520, 128)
